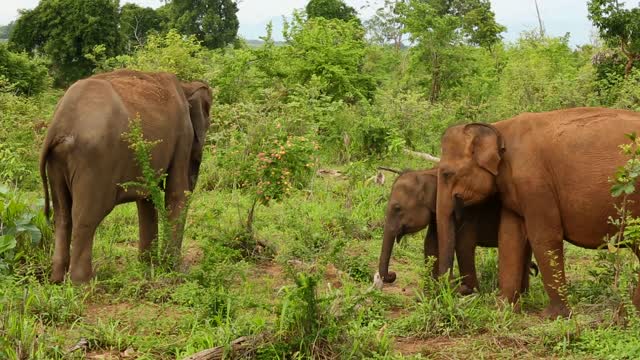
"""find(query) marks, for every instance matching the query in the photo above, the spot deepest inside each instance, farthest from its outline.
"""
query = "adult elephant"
(87, 160)
(412, 206)
(551, 172)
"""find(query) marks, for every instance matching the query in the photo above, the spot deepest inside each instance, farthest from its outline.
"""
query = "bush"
(21, 229)
(20, 74)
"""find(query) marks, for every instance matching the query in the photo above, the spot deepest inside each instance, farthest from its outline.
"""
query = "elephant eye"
(396, 207)
(446, 175)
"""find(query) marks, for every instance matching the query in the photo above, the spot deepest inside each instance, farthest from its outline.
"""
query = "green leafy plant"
(19, 231)
(165, 252)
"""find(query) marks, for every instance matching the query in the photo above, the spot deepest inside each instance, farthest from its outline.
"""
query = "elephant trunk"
(449, 209)
(387, 246)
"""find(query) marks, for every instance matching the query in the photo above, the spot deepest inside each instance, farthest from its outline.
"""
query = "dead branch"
(329, 172)
(422, 155)
(240, 348)
(396, 171)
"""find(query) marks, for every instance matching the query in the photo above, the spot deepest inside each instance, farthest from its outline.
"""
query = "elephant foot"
(81, 277)
(465, 290)
(554, 311)
(56, 277)
(505, 303)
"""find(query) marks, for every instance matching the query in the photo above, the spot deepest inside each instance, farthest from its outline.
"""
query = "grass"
(301, 283)
(324, 254)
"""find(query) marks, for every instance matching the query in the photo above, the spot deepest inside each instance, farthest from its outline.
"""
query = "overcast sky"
(559, 16)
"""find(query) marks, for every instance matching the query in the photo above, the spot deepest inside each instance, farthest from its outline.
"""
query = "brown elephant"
(412, 206)
(87, 160)
(551, 172)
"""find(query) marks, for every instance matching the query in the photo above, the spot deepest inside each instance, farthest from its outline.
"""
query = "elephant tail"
(44, 154)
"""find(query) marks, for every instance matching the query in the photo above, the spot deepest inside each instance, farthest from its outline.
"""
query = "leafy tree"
(66, 30)
(20, 74)
(386, 25)
(137, 22)
(5, 30)
(331, 9)
(329, 54)
(214, 22)
(619, 27)
(440, 27)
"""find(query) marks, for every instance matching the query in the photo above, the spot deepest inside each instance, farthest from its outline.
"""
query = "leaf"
(7, 242)
(612, 248)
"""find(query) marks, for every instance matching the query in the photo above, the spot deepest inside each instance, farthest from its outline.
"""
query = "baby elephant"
(412, 206)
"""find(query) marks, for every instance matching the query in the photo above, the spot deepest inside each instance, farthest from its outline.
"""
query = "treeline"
(364, 90)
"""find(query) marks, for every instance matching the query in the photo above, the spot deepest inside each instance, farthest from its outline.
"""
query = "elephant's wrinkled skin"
(412, 206)
(87, 160)
(551, 172)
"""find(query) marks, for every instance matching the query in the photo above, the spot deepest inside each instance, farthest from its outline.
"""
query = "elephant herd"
(523, 185)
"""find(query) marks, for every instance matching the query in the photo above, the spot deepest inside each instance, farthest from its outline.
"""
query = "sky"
(559, 16)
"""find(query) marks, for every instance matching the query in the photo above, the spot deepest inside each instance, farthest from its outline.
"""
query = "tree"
(331, 9)
(214, 22)
(5, 30)
(439, 27)
(619, 27)
(386, 25)
(66, 30)
(137, 22)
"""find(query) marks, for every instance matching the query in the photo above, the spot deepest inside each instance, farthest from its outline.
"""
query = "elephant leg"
(465, 253)
(512, 257)
(88, 209)
(545, 234)
(148, 228)
(61, 199)
(526, 270)
(175, 201)
(431, 248)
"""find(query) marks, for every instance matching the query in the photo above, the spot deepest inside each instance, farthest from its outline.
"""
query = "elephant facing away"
(551, 172)
(85, 160)
(412, 207)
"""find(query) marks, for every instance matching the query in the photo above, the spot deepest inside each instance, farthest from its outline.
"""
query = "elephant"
(85, 160)
(551, 172)
(412, 206)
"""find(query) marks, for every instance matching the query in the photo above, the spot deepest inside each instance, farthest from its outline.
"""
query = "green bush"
(21, 74)
(21, 229)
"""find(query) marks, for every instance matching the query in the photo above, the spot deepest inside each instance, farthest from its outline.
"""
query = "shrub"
(21, 74)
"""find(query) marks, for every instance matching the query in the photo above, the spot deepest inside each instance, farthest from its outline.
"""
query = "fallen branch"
(329, 172)
(240, 348)
(422, 155)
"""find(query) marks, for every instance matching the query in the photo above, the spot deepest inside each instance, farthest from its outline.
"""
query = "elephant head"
(467, 172)
(411, 206)
(199, 97)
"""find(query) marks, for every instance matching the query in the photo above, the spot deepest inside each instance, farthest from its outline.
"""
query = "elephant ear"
(487, 146)
(198, 96)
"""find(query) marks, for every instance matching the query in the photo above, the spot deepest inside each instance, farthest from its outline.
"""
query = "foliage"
(385, 25)
(164, 252)
(286, 163)
(541, 74)
(331, 53)
(213, 22)
(618, 26)
(21, 74)
(137, 22)
(66, 30)
(21, 229)
(440, 27)
(5, 30)
(331, 9)
(170, 52)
